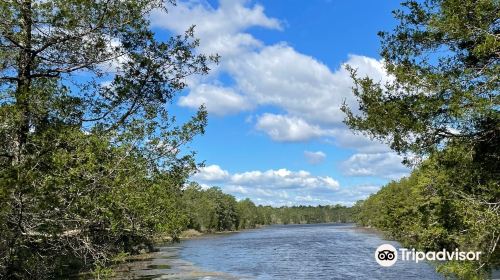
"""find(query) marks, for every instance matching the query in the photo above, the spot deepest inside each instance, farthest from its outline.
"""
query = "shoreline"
(194, 234)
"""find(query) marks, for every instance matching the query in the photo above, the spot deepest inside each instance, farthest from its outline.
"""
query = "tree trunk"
(25, 64)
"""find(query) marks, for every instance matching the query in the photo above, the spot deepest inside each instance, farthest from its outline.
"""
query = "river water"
(323, 251)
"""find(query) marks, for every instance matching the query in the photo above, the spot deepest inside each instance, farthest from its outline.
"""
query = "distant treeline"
(213, 210)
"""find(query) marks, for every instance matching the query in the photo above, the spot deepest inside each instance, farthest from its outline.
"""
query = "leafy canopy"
(91, 161)
(443, 63)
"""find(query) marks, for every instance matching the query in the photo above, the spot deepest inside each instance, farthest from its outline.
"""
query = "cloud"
(210, 174)
(314, 157)
(217, 99)
(280, 187)
(283, 179)
(273, 186)
(222, 29)
(346, 138)
(299, 84)
(277, 179)
(387, 165)
(236, 189)
(308, 91)
(287, 129)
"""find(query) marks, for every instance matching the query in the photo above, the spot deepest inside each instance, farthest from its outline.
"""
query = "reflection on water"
(165, 264)
(336, 251)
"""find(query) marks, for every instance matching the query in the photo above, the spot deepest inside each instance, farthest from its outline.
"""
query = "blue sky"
(275, 131)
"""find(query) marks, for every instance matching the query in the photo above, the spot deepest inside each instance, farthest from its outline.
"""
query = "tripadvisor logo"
(387, 255)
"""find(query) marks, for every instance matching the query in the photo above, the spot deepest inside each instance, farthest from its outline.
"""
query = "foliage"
(440, 106)
(442, 59)
(91, 163)
(211, 210)
(433, 209)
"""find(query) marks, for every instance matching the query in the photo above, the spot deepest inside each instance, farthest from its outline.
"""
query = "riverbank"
(163, 264)
(193, 233)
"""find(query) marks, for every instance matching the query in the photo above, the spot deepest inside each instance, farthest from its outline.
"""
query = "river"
(323, 251)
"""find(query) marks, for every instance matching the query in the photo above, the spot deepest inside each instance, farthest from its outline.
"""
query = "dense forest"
(441, 112)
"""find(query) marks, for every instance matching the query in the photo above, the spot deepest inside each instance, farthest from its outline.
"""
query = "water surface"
(325, 251)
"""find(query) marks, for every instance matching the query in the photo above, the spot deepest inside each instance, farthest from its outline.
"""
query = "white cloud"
(218, 99)
(283, 179)
(307, 198)
(273, 186)
(387, 165)
(269, 196)
(236, 189)
(222, 29)
(279, 75)
(346, 138)
(277, 179)
(287, 129)
(211, 173)
(309, 92)
(314, 157)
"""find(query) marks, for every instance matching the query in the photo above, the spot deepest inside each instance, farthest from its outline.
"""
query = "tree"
(443, 60)
(226, 217)
(85, 136)
(248, 214)
(440, 104)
